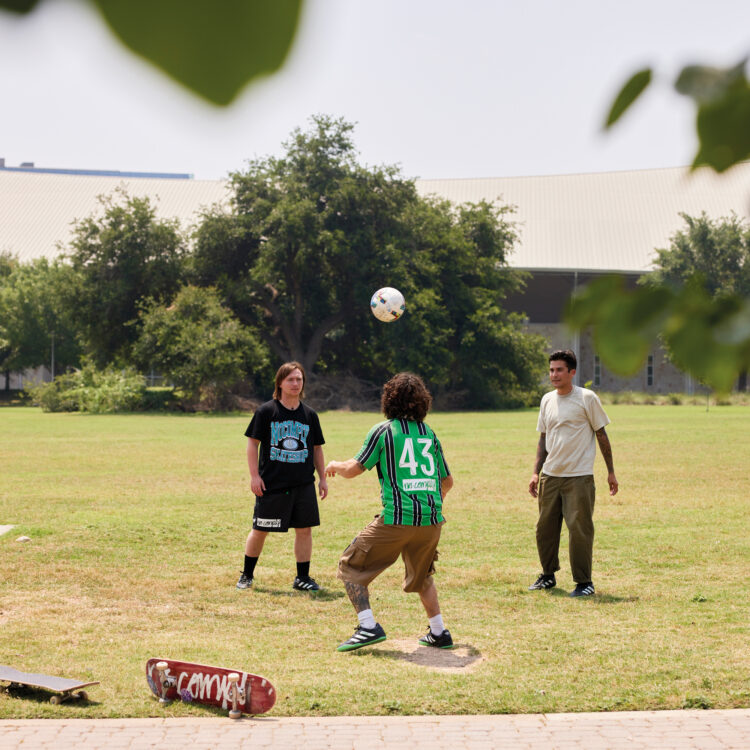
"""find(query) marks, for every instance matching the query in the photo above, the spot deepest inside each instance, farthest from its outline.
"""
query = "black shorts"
(295, 507)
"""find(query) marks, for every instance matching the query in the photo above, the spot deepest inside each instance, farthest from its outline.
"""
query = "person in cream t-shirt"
(571, 422)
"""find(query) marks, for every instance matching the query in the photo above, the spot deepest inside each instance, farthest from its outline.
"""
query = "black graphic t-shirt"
(287, 438)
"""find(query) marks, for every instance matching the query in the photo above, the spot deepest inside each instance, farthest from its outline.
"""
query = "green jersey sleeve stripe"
(369, 448)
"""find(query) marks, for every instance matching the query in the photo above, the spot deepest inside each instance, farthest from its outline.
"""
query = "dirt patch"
(462, 658)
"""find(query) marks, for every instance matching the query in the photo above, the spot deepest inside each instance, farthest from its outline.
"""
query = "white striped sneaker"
(305, 584)
(363, 637)
(545, 581)
(583, 589)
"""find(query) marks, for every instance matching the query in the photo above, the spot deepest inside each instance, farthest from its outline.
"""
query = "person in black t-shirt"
(284, 449)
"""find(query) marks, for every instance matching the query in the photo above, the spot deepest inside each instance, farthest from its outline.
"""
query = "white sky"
(484, 88)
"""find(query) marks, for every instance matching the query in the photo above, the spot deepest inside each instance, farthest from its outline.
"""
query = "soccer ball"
(387, 304)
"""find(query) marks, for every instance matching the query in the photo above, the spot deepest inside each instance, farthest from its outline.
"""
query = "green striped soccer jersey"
(410, 466)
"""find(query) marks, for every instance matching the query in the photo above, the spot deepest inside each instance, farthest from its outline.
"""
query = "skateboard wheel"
(55, 700)
(82, 695)
(233, 677)
(161, 665)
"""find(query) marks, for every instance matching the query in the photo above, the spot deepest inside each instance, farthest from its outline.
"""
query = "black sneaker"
(363, 637)
(583, 589)
(305, 584)
(543, 582)
(244, 582)
(443, 640)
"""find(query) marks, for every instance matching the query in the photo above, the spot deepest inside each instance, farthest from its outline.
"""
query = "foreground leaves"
(722, 98)
(632, 89)
(214, 49)
(707, 336)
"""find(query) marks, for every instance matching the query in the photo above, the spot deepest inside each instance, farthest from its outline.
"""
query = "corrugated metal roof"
(37, 210)
(595, 222)
(610, 221)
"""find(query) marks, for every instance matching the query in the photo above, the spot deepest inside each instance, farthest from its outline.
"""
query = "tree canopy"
(312, 234)
(118, 258)
(197, 344)
(716, 250)
(35, 326)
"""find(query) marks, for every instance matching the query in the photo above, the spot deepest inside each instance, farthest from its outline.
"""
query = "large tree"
(312, 234)
(120, 257)
(35, 327)
(717, 250)
(308, 239)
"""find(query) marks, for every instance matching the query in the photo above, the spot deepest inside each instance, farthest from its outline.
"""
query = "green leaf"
(18, 6)
(695, 334)
(628, 94)
(214, 49)
(704, 84)
(723, 127)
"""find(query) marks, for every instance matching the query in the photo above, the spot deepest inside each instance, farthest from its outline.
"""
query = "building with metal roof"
(38, 208)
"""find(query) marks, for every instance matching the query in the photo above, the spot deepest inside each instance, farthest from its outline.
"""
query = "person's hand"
(613, 483)
(331, 469)
(323, 488)
(534, 485)
(257, 485)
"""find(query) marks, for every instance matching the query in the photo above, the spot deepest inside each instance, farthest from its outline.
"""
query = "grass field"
(137, 526)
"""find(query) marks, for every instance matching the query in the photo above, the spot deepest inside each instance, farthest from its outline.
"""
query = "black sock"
(250, 566)
(303, 569)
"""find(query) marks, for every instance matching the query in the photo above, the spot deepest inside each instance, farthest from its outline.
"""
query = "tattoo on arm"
(606, 449)
(359, 596)
(541, 453)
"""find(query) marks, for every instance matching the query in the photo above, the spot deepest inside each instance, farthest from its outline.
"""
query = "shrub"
(92, 390)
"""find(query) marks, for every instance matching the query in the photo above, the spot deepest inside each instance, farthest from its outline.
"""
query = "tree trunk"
(742, 382)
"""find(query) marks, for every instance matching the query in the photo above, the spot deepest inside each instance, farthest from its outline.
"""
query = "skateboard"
(64, 688)
(233, 689)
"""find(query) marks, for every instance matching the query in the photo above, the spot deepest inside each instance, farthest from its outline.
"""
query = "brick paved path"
(647, 730)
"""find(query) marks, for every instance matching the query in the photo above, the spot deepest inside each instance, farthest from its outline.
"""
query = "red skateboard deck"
(212, 686)
(66, 688)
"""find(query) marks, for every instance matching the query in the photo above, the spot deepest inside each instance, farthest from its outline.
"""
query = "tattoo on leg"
(359, 596)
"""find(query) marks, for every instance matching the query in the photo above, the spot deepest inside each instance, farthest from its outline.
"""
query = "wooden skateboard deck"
(64, 687)
(213, 686)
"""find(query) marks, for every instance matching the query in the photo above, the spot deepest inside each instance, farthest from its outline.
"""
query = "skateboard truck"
(165, 681)
(237, 693)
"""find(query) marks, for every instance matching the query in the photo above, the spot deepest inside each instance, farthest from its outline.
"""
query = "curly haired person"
(414, 479)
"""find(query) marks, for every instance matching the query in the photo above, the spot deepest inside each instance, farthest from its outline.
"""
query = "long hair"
(405, 396)
(283, 372)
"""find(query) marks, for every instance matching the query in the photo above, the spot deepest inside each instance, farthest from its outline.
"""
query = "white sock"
(366, 619)
(436, 624)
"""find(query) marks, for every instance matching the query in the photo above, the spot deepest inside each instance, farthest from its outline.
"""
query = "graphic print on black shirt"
(287, 439)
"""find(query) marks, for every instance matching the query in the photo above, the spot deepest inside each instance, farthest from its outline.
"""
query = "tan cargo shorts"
(378, 546)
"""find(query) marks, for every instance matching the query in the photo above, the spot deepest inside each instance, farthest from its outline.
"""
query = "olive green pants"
(572, 499)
